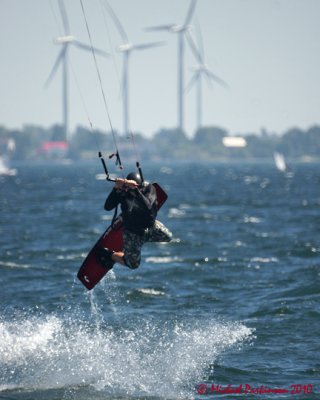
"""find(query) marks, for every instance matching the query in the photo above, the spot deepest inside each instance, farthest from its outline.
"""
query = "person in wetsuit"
(139, 207)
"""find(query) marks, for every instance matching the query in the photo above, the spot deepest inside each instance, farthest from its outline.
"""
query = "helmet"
(135, 176)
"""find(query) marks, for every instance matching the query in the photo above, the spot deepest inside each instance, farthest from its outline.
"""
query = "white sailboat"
(5, 169)
(280, 161)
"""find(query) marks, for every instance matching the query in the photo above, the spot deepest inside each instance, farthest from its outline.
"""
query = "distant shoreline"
(208, 144)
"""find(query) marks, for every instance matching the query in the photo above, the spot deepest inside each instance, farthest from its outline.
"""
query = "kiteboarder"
(138, 201)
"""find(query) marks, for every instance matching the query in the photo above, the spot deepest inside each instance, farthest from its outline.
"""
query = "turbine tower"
(65, 41)
(201, 70)
(182, 31)
(126, 48)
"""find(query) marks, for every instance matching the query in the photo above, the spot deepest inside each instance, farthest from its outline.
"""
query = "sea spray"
(137, 356)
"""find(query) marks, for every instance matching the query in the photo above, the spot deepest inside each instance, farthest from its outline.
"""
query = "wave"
(163, 260)
(9, 264)
(151, 292)
(137, 356)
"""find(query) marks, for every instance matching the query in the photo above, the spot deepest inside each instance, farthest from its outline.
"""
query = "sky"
(268, 51)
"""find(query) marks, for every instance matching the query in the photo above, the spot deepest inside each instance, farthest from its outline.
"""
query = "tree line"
(166, 144)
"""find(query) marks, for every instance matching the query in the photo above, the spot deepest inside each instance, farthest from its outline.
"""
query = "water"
(234, 299)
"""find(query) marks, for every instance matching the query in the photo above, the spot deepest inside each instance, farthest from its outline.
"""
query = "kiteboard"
(91, 270)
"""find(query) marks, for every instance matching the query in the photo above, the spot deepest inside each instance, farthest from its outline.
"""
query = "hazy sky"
(267, 50)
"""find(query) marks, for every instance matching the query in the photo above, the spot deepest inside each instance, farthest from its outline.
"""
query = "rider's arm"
(112, 200)
(148, 196)
(114, 197)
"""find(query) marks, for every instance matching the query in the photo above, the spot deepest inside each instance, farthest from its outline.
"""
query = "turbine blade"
(147, 45)
(159, 27)
(192, 81)
(208, 79)
(215, 78)
(199, 39)
(56, 65)
(64, 16)
(117, 22)
(193, 47)
(84, 46)
(190, 12)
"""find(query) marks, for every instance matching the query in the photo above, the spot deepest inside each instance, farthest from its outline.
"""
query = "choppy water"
(234, 299)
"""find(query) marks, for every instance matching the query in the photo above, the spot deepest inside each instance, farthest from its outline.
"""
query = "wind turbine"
(126, 48)
(201, 70)
(65, 41)
(182, 31)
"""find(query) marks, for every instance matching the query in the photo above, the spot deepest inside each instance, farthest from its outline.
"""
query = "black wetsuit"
(138, 207)
(139, 210)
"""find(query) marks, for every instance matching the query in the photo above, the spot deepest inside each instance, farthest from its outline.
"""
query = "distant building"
(54, 149)
(234, 141)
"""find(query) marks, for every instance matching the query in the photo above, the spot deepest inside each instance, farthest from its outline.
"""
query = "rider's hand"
(130, 184)
(119, 183)
(125, 184)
